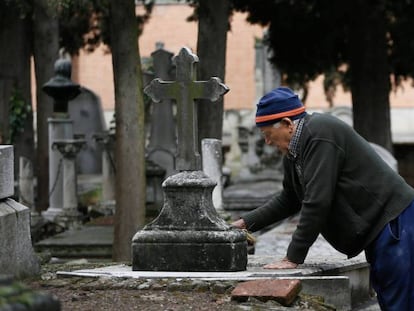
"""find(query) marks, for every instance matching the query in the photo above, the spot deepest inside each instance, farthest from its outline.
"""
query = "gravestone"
(162, 141)
(259, 178)
(212, 165)
(26, 190)
(59, 128)
(17, 257)
(188, 234)
(61, 88)
(88, 119)
(107, 141)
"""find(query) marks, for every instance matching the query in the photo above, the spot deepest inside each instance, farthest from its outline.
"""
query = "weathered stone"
(212, 166)
(15, 241)
(69, 148)
(87, 114)
(188, 235)
(283, 291)
(58, 129)
(26, 189)
(185, 89)
(7, 172)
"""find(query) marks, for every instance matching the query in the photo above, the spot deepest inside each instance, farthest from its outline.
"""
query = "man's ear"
(287, 122)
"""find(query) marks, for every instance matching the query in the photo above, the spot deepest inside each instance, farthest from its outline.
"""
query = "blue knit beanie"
(278, 104)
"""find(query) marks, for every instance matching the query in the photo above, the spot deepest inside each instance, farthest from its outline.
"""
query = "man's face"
(279, 134)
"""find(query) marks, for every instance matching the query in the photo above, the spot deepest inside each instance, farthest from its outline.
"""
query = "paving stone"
(283, 291)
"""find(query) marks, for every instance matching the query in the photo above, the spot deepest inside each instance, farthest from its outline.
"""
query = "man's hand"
(283, 264)
(240, 224)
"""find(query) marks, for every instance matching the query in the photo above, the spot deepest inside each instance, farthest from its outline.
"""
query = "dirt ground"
(123, 299)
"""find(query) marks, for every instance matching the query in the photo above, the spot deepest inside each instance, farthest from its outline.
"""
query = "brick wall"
(168, 24)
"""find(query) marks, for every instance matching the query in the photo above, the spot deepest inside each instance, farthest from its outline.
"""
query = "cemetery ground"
(162, 294)
(123, 293)
(109, 294)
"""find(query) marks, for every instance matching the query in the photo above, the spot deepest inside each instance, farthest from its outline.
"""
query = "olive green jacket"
(346, 192)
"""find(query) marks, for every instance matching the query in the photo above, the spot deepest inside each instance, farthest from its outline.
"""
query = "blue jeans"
(391, 257)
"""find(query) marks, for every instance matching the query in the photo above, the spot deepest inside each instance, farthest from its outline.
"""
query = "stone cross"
(184, 90)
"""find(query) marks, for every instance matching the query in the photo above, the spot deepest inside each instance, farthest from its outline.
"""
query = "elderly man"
(341, 189)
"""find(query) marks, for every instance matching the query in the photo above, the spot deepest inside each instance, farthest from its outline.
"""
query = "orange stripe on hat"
(280, 115)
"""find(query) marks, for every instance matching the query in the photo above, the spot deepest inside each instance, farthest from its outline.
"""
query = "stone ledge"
(335, 290)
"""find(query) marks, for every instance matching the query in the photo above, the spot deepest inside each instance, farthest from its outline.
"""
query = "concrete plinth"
(188, 235)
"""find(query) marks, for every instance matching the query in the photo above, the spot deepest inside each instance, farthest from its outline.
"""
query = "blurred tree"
(130, 131)
(85, 24)
(16, 117)
(363, 43)
(213, 24)
(45, 38)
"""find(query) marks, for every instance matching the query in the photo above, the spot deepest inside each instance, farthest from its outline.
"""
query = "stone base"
(188, 234)
(189, 251)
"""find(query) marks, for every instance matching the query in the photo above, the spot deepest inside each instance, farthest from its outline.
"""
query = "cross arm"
(211, 89)
(159, 90)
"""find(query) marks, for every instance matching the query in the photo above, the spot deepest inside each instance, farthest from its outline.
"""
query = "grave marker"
(17, 257)
(188, 234)
(184, 90)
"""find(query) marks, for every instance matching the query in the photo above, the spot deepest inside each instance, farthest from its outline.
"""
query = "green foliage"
(85, 23)
(22, 6)
(307, 38)
(18, 115)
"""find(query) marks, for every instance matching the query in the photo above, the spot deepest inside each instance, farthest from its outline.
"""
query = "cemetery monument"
(62, 90)
(188, 234)
(17, 257)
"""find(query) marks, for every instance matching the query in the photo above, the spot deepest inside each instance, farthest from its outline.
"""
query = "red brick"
(283, 291)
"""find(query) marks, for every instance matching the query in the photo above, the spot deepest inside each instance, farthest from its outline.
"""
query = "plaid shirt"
(293, 148)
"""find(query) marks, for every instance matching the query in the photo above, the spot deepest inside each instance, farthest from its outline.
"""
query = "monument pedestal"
(188, 234)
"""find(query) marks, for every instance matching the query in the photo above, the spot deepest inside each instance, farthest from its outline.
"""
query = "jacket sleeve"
(322, 161)
(280, 206)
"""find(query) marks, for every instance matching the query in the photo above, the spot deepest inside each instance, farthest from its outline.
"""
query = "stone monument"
(17, 257)
(212, 156)
(188, 234)
(87, 114)
(69, 148)
(62, 90)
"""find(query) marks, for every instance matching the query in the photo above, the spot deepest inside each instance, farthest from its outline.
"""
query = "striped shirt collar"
(293, 147)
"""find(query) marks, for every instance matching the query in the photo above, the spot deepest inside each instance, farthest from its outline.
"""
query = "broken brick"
(282, 291)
